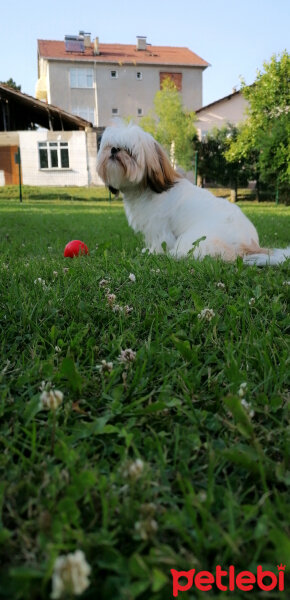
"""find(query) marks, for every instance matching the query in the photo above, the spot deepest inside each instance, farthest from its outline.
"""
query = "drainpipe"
(195, 166)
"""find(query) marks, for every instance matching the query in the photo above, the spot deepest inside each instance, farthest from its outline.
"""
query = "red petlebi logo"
(228, 580)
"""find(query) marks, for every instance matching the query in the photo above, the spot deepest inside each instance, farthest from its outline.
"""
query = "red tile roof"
(123, 54)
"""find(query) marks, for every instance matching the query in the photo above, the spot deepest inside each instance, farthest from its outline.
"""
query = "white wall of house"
(78, 172)
(82, 152)
(231, 109)
(131, 95)
(9, 138)
(125, 92)
(91, 143)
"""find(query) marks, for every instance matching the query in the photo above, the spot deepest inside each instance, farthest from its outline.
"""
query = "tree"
(212, 163)
(171, 125)
(264, 138)
(12, 84)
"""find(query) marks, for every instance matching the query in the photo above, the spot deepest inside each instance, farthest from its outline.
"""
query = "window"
(114, 74)
(115, 111)
(139, 112)
(81, 78)
(139, 75)
(85, 112)
(176, 78)
(53, 155)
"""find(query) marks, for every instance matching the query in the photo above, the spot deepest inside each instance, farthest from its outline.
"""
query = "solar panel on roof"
(74, 43)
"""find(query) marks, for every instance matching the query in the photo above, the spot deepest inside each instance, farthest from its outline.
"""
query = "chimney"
(86, 38)
(96, 46)
(141, 42)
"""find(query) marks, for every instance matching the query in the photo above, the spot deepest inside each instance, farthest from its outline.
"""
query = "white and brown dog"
(168, 208)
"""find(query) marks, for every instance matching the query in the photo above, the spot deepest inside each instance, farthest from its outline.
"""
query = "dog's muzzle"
(114, 152)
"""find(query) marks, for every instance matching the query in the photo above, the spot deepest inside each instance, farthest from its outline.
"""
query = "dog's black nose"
(115, 150)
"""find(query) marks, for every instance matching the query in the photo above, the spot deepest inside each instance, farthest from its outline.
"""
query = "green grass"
(97, 193)
(30, 192)
(215, 478)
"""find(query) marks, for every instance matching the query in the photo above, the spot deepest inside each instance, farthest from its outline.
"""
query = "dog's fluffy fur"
(168, 208)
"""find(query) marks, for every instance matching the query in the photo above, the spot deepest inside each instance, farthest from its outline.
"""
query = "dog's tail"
(263, 256)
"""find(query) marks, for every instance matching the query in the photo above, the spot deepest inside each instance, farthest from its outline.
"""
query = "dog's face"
(130, 157)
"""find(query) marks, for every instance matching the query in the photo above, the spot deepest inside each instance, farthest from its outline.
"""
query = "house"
(56, 147)
(100, 81)
(230, 109)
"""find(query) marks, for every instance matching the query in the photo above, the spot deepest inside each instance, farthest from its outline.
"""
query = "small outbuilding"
(54, 147)
(230, 109)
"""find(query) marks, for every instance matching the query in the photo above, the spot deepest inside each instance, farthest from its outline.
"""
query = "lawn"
(175, 459)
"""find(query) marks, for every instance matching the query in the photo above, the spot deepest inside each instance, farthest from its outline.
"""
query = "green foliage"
(12, 84)
(212, 163)
(213, 489)
(264, 138)
(172, 123)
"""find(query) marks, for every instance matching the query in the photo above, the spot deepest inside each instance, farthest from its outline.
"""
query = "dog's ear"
(160, 174)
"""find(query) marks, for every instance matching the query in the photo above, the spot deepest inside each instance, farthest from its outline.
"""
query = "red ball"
(74, 248)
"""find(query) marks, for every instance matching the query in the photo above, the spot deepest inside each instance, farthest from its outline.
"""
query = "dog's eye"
(129, 152)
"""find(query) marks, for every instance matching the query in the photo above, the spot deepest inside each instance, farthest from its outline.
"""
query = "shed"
(55, 147)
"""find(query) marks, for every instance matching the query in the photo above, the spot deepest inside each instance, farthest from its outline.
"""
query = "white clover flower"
(220, 284)
(128, 309)
(206, 314)
(106, 366)
(146, 528)
(51, 399)
(117, 308)
(65, 269)
(252, 301)
(111, 298)
(127, 356)
(286, 283)
(55, 273)
(135, 468)
(242, 389)
(248, 407)
(40, 281)
(122, 309)
(103, 283)
(70, 575)
(132, 277)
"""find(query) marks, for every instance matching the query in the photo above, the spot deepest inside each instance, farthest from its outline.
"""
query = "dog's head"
(130, 157)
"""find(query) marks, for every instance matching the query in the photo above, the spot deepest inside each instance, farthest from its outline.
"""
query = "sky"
(235, 37)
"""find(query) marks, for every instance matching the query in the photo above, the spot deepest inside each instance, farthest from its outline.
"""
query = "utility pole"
(17, 159)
